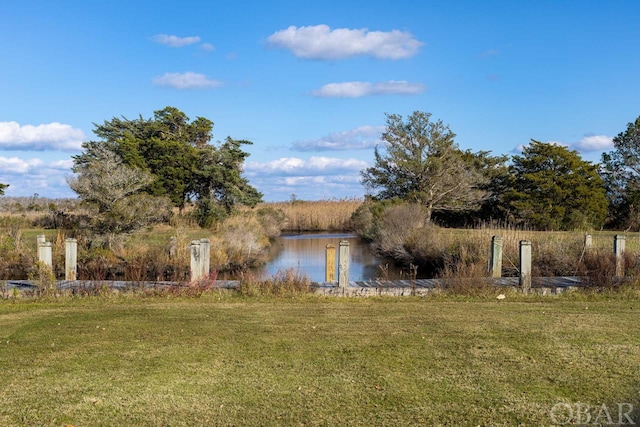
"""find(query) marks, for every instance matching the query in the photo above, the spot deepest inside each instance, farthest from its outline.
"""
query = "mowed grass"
(220, 360)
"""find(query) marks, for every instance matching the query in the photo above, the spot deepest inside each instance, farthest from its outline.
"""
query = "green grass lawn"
(220, 360)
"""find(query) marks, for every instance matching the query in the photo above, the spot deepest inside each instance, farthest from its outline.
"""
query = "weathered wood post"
(71, 259)
(330, 264)
(343, 264)
(44, 253)
(525, 265)
(496, 257)
(205, 253)
(196, 259)
(588, 242)
(618, 250)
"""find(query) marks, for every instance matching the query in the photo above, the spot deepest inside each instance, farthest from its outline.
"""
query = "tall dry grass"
(161, 253)
(465, 254)
(403, 233)
(285, 283)
(322, 215)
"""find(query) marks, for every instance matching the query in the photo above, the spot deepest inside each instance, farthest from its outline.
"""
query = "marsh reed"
(322, 215)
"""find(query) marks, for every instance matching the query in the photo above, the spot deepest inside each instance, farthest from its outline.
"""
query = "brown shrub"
(398, 227)
(285, 283)
(467, 279)
(598, 267)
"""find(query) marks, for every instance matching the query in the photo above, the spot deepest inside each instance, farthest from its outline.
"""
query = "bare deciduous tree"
(113, 189)
(106, 179)
(420, 163)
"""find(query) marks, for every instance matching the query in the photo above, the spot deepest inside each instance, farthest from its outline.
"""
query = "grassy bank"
(241, 241)
(400, 233)
(221, 360)
(162, 252)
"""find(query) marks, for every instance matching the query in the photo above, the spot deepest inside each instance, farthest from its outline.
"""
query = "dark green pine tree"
(620, 170)
(553, 188)
(178, 154)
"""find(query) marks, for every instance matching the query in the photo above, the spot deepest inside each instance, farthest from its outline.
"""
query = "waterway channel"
(306, 253)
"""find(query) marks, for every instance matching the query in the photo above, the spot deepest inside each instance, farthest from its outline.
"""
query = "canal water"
(306, 253)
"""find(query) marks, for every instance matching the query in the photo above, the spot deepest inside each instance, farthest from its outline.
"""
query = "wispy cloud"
(186, 80)
(51, 136)
(489, 53)
(321, 42)
(207, 47)
(360, 89)
(175, 41)
(362, 137)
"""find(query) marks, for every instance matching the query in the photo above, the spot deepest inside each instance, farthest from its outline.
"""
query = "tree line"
(547, 186)
(137, 170)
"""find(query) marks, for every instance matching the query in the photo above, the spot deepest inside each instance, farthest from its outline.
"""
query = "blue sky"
(310, 82)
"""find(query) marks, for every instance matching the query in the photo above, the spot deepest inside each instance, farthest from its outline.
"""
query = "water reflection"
(307, 253)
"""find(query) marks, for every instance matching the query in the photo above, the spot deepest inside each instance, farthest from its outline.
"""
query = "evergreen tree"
(178, 155)
(553, 188)
(620, 170)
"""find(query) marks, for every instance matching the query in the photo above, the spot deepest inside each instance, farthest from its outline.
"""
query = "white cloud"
(587, 144)
(314, 166)
(15, 165)
(186, 80)
(344, 90)
(28, 176)
(313, 179)
(398, 87)
(302, 181)
(594, 143)
(208, 47)
(175, 41)
(65, 165)
(52, 136)
(360, 89)
(321, 42)
(362, 137)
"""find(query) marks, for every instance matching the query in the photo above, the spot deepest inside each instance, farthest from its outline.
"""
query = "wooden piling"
(618, 250)
(525, 265)
(343, 264)
(45, 253)
(205, 252)
(330, 264)
(196, 259)
(71, 259)
(496, 256)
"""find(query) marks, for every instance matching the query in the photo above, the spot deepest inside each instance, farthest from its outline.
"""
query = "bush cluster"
(156, 253)
(401, 232)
